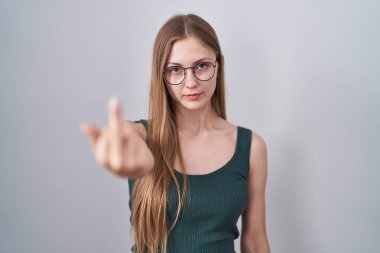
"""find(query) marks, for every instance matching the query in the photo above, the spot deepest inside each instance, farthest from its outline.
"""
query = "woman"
(191, 173)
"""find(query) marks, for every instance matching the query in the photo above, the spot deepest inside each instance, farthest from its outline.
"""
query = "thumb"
(91, 131)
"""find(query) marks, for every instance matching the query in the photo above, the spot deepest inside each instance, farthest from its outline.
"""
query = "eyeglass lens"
(203, 71)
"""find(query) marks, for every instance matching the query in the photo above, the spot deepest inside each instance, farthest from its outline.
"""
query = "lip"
(193, 96)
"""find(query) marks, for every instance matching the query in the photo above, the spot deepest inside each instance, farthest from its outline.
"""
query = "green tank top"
(214, 204)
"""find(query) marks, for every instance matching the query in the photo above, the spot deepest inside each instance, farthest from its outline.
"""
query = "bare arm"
(121, 146)
(254, 238)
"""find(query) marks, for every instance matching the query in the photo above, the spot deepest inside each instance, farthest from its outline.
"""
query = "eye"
(202, 66)
(174, 69)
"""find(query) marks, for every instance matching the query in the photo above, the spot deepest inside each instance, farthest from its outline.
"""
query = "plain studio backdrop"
(302, 74)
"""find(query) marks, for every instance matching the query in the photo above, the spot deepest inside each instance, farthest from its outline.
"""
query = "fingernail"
(113, 101)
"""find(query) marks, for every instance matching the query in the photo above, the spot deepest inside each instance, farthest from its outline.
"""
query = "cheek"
(212, 88)
(212, 84)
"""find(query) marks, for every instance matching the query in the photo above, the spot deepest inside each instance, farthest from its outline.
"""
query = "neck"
(196, 121)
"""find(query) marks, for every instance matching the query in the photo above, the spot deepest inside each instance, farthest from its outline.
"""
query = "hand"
(120, 147)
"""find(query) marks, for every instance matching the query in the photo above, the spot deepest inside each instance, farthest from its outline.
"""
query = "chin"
(193, 106)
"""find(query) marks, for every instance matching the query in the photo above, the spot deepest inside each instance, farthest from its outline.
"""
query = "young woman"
(191, 173)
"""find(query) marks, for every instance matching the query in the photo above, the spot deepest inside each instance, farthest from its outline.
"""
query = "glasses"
(203, 71)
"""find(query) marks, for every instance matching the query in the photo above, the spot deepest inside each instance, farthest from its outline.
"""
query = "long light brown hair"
(149, 221)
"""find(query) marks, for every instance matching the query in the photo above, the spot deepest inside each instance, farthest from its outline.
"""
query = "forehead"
(189, 50)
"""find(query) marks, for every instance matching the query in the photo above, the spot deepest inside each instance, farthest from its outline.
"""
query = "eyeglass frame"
(185, 72)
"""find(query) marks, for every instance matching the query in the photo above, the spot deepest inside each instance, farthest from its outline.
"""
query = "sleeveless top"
(213, 205)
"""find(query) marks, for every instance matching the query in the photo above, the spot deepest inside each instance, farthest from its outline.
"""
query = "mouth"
(193, 96)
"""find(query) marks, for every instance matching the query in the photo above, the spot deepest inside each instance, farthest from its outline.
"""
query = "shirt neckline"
(221, 168)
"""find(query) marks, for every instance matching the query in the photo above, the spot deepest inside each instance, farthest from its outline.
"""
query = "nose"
(190, 79)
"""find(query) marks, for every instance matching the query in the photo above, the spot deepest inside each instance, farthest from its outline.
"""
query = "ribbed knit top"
(213, 206)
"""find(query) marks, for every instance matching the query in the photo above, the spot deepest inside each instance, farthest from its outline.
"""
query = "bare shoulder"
(258, 153)
(258, 144)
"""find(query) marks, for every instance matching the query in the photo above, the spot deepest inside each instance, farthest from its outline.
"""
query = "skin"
(206, 139)
(201, 131)
(253, 236)
(120, 146)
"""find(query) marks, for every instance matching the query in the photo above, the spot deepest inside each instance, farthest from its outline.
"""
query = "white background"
(302, 74)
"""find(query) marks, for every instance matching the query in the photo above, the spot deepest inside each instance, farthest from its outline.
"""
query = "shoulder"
(257, 148)
(141, 126)
(258, 153)
(258, 144)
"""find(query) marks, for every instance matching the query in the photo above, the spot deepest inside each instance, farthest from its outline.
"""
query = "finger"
(114, 113)
(115, 127)
(102, 149)
(91, 131)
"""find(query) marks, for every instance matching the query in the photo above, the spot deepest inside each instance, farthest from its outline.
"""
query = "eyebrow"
(174, 63)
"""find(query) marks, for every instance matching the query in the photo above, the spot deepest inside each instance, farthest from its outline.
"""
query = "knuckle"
(116, 165)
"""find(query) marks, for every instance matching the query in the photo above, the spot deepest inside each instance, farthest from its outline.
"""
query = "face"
(185, 53)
